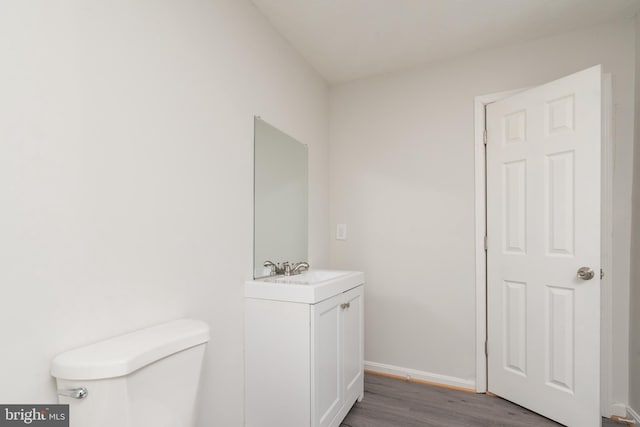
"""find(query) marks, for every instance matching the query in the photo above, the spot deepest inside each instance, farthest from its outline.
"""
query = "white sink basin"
(308, 277)
(309, 287)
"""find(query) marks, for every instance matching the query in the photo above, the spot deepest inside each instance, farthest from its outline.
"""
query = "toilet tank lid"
(124, 354)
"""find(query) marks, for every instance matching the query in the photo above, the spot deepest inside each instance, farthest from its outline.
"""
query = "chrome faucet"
(286, 268)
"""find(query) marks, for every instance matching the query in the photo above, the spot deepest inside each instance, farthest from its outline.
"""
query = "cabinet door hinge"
(486, 243)
(486, 348)
(484, 137)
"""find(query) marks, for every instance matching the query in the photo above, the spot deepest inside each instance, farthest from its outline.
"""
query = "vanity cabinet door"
(353, 343)
(337, 356)
(326, 383)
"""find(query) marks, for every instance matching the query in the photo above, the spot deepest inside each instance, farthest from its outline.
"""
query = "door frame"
(606, 294)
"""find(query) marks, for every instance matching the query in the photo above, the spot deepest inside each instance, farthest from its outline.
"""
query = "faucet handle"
(300, 267)
(273, 267)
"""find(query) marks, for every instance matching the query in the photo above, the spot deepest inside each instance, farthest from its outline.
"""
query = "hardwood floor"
(391, 402)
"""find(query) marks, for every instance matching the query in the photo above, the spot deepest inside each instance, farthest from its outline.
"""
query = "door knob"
(585, 273)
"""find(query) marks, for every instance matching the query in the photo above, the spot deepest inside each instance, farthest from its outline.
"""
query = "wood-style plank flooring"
(392, 402)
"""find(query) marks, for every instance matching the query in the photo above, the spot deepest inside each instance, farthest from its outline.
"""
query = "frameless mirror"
(280, 198)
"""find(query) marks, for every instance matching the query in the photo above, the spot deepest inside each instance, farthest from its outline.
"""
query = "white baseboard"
(634, 414)
(413, 374)
(618, 410)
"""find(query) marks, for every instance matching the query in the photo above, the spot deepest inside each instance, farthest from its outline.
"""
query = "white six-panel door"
(543, 224)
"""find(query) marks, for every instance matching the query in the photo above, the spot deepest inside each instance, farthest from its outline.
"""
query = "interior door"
(543, 227)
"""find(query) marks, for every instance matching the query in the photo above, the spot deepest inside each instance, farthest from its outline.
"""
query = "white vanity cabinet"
(303, 361)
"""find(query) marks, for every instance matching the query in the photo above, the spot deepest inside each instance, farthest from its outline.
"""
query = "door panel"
(559, 201)
(515, 327)
(515, 214)
(543, 224)
(560, 331)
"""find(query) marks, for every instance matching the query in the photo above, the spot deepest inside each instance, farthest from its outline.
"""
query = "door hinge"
(486, 348)
(486, 243)
(484, 137)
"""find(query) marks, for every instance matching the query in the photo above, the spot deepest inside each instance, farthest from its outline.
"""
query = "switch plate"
(341, 232)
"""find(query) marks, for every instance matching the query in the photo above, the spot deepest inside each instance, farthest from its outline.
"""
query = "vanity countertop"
(309, 287)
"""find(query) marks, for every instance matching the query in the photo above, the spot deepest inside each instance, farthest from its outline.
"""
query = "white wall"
(126, 138)
(634, 344)
(402, 179)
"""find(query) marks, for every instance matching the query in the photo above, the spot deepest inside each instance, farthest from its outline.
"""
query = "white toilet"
(147, 378)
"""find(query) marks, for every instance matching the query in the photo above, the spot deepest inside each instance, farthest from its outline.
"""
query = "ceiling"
(349, 39)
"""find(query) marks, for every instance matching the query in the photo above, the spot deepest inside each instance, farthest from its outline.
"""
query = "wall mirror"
(280, 198)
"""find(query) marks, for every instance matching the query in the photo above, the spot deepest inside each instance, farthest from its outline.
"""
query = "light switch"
(341, 232)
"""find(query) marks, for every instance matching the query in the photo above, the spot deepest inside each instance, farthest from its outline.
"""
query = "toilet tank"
(147, 378)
